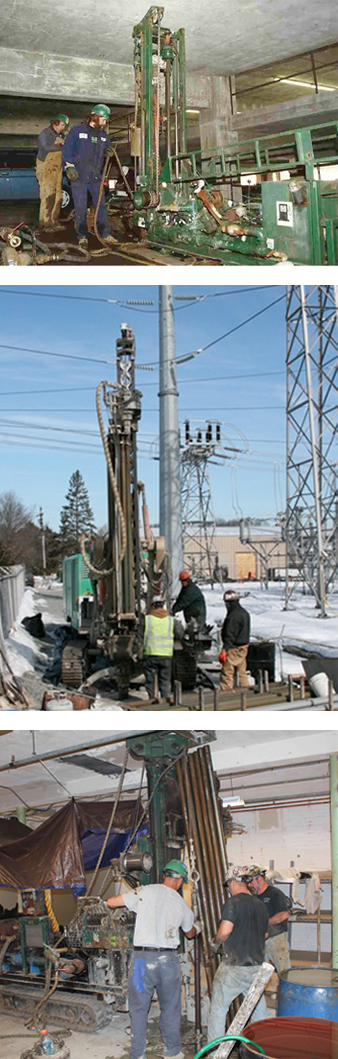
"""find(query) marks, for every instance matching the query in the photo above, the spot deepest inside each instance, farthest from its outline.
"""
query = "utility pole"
(43, 541)
(170, 470)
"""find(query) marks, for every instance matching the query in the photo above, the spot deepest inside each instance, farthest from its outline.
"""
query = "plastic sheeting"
(58, 853)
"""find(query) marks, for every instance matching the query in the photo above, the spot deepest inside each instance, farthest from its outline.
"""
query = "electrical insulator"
(208, 436)
(187, 430)
(199, 436)
(218, 433)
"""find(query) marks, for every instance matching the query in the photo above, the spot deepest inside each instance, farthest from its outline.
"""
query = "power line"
(183, 382)
(47, 353)
(127, 303)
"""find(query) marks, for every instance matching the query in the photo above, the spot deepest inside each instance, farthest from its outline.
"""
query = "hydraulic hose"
(229, 1037)
(115, 491)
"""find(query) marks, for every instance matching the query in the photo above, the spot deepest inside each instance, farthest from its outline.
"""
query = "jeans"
(277, 951)
(160, 665)
(149, 971)
(80, 198)
(230, 980)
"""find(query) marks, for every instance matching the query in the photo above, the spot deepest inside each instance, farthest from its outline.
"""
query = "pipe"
(191, 831)
(21, 814)
(217, 811)
(197, 964)
(206, 816)
(90, 744)
(334, 854)
(209, 860)
(212, 816)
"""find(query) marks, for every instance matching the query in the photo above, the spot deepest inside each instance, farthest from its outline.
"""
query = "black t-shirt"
(275, 901)
(246, 943)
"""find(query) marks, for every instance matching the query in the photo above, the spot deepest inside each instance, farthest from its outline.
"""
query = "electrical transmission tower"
(311, 515)
(197, 506)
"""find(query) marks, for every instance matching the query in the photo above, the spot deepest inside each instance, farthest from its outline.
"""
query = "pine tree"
(76, 515)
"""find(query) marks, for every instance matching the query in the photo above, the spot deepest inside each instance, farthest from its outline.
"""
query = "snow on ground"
(299, 626)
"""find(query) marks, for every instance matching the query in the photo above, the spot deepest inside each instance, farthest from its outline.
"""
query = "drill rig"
(76, 975)
(108, 584)
(186, 200)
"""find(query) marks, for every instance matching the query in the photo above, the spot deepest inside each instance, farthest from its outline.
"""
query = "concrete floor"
(111, 1042)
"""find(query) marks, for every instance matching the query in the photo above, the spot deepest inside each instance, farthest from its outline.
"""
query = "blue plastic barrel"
(308, 991)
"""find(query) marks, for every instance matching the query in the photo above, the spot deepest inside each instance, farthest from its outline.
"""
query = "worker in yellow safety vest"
(158, 645)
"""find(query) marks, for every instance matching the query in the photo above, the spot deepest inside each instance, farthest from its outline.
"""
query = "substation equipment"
(186, 200)
(110, 585)
(75, 975)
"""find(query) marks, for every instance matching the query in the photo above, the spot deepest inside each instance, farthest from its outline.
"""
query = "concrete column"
(215, 122)
(334, 854)
(216, 125)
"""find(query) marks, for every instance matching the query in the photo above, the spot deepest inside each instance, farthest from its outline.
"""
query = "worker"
(158, 648)
(235, 641)
(278, 907)
(49, 170)
(160, 913)
(242, 932)
(83, 156)
(190, 600)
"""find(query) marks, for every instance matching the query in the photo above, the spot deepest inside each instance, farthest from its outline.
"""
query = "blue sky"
(48, 419)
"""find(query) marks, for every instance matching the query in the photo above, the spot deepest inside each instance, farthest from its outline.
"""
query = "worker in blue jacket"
(83, 157)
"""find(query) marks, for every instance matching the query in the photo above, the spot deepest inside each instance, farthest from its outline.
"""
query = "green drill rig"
(77, 975)
(186, 200)
(109, 585)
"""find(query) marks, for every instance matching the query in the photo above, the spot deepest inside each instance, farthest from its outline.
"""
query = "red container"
(292, 1038)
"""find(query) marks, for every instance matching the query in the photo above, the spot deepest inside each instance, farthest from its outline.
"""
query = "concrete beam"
(47, 76)
(310, 110)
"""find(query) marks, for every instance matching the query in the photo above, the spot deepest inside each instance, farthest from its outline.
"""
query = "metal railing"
(12, 587)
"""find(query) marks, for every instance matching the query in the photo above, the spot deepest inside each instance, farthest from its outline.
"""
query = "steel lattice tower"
(311, 515)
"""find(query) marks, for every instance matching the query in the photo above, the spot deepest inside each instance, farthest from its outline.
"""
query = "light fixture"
(232, 802)
(305, 84)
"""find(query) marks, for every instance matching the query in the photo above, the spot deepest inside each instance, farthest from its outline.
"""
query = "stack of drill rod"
(204, 826)
(202, 813)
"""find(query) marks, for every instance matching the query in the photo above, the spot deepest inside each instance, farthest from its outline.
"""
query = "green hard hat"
(178, 867)
(62, 117)
(101, 110)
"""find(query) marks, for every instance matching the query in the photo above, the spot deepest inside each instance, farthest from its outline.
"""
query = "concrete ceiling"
(236, 36)
(252, 765)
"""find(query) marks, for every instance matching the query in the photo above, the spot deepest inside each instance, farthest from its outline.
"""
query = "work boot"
(83, 242)
(109, 240)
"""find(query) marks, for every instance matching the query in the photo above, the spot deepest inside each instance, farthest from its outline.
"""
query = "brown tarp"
(11, 829)
(51, 857)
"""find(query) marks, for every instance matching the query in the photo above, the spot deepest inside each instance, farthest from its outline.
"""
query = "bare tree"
(15, 523)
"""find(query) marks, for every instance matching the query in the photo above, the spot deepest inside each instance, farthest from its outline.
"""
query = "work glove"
(198, 926)
(71, 172)
(214, 945)
(222, 657)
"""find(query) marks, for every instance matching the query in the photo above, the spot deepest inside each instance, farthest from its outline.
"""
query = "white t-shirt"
(160, 912)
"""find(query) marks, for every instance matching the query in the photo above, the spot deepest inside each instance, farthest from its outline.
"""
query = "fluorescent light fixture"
(192, 111)
(233, 802)
(305, 84)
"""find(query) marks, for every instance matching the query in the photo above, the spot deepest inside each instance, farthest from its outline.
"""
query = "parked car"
(18, 180)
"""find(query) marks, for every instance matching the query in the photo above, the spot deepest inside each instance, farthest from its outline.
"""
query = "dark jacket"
(192, 602)
(46, 142)
(85, 148)
(236, 626)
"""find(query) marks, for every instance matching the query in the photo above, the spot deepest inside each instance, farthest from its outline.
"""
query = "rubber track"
(86, 1014)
